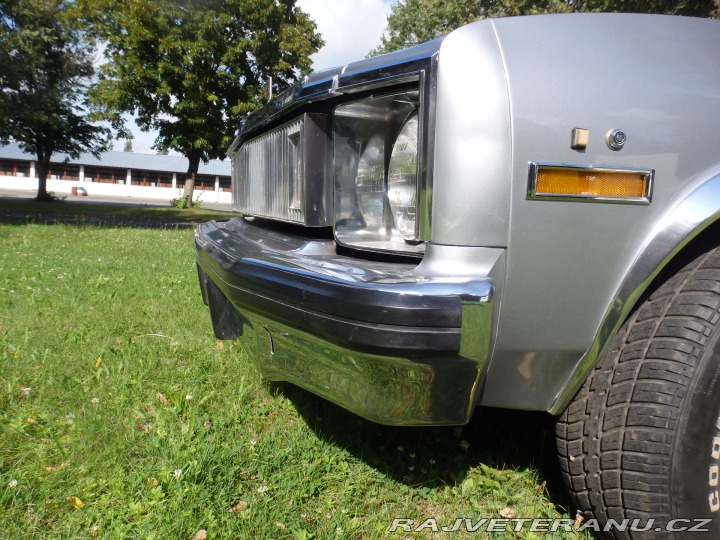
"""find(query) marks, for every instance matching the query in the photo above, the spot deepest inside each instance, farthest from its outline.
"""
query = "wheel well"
(706, 240)
(633, 442)
(703, 242)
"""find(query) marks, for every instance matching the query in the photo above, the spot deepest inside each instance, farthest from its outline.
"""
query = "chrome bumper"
(380, 339)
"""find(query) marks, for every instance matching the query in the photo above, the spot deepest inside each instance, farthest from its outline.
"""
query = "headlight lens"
(370, 182)
(376, 155)
(402, 179)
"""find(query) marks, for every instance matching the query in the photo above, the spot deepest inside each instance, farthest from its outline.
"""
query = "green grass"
(121, 416)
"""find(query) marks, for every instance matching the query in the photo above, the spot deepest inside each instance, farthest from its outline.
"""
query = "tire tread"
(615, 439)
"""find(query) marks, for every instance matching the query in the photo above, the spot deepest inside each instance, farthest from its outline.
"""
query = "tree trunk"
(189, 187)
(43, 166)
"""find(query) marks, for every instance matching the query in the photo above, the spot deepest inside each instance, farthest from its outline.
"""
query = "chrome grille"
(267, 175)
(282, 174)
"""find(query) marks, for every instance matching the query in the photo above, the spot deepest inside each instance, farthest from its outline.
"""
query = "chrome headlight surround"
(378, 166)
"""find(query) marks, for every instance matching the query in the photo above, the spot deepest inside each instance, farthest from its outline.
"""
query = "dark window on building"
(64, 171)
(164, 180)
(13, 167)
(151, 178)
(140, 178)
(204, 182)
(91, 174)
(110, 176)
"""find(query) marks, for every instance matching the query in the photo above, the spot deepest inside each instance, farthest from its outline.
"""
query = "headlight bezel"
(357, 125)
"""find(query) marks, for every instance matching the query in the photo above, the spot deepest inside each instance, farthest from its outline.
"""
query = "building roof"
(125, 160)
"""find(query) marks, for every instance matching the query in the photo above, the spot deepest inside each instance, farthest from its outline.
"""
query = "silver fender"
(681, 224)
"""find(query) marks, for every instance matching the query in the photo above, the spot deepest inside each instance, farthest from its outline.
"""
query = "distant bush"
(181, 202)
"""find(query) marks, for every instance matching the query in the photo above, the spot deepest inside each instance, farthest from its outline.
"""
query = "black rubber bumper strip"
(361, 303)
(357, 335)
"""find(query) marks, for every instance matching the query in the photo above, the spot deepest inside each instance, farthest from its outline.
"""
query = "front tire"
(641, 440)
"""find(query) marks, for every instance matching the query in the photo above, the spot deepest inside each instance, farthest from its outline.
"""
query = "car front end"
(331, 279)
(523, 214)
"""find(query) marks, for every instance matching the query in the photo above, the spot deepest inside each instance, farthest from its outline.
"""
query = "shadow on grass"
(434, 457)
(24, 211)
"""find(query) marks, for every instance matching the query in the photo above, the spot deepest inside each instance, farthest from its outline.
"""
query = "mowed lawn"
(121, 416)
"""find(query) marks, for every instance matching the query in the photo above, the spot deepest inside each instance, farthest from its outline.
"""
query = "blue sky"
(350, 28)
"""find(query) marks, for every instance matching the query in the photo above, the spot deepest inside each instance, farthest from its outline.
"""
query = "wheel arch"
(689, 228)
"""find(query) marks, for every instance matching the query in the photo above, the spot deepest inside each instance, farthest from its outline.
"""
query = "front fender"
(695, 212)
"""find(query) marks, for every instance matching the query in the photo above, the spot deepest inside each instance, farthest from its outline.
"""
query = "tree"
(45, 69)
(128, 146)
(694, 8)
(191, 68)
(414, 21)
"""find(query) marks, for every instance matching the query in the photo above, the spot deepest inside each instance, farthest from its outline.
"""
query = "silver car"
(522, 214)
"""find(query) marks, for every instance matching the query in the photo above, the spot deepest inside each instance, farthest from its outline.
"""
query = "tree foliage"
(414, 21)
(45, 69)
(694, 8)
(191, 68)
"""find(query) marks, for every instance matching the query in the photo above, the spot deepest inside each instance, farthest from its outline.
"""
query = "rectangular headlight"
(377, 171)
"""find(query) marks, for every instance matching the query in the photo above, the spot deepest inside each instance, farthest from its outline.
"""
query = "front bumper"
(384, 340)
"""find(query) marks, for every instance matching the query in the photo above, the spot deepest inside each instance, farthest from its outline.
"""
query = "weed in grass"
(121, 416)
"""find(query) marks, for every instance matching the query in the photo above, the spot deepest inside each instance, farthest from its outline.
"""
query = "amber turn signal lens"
(591, 183)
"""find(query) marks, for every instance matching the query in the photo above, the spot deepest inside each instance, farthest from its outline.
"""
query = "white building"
(116, 174)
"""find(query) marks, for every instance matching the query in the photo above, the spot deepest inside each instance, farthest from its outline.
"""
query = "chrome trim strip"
(426, 139)
(680, 225)
(399, 66)
(532, 193)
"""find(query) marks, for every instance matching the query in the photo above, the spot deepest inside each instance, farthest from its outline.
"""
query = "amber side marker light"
(567, 182)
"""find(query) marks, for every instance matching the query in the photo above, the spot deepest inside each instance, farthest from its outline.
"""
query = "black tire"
(641, 440)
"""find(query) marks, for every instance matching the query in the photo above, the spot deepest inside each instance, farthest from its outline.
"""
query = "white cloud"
(350, 28)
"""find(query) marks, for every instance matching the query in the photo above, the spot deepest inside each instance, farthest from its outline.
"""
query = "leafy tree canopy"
(45, 69)
(191, 68)
(415, 21)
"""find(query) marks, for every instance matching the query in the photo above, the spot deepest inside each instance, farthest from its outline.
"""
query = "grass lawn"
(121, 416)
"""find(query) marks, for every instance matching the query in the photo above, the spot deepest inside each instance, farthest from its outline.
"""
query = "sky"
(350, 28)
